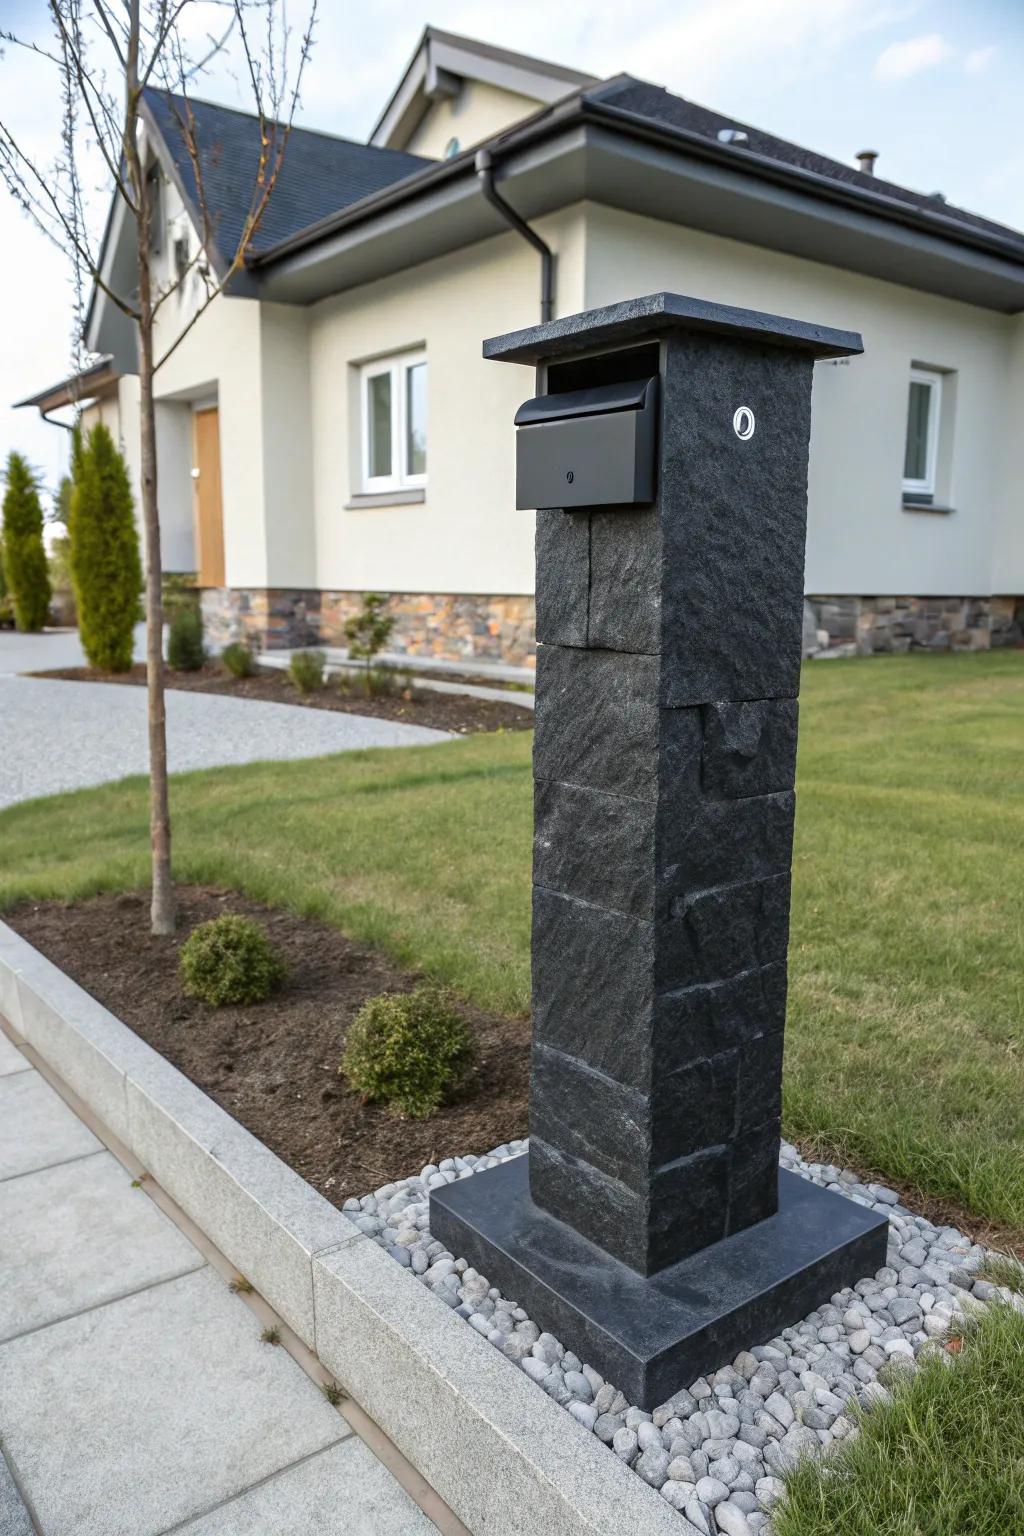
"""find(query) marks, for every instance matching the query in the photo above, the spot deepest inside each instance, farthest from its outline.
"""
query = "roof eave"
(581, 108)
(100, 377)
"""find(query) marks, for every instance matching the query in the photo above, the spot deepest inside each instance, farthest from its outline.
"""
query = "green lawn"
(905, 1049)
(943, 1459)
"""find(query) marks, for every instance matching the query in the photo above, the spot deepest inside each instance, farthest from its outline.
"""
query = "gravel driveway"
(57, 735)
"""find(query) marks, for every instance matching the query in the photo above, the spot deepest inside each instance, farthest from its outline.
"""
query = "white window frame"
(397, 365)
(933, 382)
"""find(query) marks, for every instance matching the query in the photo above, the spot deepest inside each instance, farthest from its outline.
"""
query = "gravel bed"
(718, 1451)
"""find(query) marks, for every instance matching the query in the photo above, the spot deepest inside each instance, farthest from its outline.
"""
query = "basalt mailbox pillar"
(650, 1228)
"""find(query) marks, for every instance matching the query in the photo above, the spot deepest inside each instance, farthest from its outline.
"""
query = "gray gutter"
(582, 109)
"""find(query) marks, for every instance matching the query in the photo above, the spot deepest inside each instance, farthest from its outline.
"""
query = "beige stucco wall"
(466, 536)
(287, 446)
(478, 111)
(859, 538)
(220, 360)
(1008, 543)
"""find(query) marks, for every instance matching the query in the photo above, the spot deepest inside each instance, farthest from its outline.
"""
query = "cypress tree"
(24, 554)
(105, 564)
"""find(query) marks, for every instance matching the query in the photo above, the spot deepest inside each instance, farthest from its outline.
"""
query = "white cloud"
(902, 60)
(979, 59)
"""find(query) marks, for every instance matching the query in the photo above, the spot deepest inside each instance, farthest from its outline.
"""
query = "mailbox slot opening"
(608, 368)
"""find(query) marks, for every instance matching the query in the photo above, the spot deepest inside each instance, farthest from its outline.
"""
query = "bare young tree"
(106, 54)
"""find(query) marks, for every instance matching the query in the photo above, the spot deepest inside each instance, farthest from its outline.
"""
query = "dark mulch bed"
(275, 1066)
(457, 712)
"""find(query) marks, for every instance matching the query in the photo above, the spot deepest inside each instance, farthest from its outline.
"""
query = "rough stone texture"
(664, 758)
(733, 534)
(342, 1491)
(37, 1129)
(868, 625)
(74, 1396)
(497, 628)
(447, 626)
(100, 1238)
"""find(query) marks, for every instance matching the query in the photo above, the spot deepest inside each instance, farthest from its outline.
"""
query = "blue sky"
(933, 85)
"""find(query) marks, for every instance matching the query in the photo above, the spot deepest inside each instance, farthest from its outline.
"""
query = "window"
(394, 421)
(922, 447)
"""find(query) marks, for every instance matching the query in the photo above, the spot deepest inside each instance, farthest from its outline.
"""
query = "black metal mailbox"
(588, 447)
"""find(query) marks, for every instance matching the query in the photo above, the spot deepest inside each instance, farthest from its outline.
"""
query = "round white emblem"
(743, 423)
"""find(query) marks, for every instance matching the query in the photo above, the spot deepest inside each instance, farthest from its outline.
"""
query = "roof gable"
(443, 61)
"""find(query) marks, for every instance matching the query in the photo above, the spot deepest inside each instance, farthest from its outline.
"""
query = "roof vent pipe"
(485, 175)
(866, 161)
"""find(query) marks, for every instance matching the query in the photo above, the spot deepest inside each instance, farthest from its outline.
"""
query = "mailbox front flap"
(633, 395)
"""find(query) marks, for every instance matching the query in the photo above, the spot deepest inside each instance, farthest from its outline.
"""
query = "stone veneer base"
(653, 1335)
(447, 1399)
(886, 625)
(485, 629)
(470, 628)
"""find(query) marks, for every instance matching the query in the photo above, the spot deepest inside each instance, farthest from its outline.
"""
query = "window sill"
(401, 498)
(927, 506)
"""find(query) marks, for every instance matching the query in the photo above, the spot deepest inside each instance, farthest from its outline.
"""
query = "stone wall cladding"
(274, 619)
(488, 629)
(448, 627)
(869, 625)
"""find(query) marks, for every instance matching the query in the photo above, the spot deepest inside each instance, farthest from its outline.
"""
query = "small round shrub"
(238, 659)
(306, 670)
(408, 1050)
(229, 960)
(185, 649)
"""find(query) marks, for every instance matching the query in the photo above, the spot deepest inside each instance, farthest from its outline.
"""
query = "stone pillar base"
(649, 1335)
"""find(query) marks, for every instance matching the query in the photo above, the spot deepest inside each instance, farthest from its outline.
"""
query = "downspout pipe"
(485, 175)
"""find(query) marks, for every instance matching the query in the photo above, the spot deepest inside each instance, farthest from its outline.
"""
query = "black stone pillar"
(655, 1233)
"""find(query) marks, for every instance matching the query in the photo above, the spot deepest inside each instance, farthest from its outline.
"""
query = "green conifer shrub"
(185, 649)
(106, 567)
(306, 670)
(24, 553)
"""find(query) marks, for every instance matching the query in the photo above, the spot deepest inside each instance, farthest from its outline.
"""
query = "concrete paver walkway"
(136, 1396)
(58, 736)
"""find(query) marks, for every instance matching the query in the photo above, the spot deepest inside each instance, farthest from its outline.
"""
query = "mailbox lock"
(570, 476)
(743, 423)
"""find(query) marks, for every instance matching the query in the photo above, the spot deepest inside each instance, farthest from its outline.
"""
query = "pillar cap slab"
(658, 313)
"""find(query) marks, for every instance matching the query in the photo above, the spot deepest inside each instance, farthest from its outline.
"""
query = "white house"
(329, 428)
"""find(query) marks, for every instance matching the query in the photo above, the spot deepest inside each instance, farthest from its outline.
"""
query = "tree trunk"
(162, 903)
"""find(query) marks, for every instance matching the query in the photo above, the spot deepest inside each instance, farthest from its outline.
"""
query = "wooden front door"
(209, 521)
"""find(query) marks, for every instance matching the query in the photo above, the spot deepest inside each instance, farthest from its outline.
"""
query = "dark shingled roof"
(658, 105)
(320, 175)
